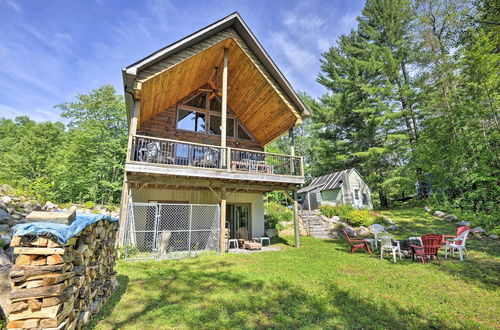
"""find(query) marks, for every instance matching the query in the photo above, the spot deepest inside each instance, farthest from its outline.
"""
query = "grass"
(319, 285)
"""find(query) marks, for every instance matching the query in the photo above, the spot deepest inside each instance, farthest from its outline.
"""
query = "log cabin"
(201, 112)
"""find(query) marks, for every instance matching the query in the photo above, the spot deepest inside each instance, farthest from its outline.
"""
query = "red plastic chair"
(460, 230)
(357, 243)
(430, 248)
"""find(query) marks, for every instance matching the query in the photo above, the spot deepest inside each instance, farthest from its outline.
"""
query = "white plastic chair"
(457, 243)
(386, 244)
(374, 241)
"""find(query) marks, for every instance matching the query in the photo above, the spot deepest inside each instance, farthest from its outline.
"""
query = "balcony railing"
(179, 153)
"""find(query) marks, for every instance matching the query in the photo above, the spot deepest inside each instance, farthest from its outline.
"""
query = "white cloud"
(14, 5)
(299, 57)
(309, 21)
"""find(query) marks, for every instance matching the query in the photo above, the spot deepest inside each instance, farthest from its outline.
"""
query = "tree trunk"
(384, 203)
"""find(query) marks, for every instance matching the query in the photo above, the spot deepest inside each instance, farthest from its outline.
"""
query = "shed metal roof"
(327, 182)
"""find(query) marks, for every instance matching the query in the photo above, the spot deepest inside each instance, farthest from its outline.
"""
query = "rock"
(388, 219)
(73, 208)
(4, 227)
(464, 223)
(49, 206)
(17, 216)
(3, 206)
(32, 206)
(11, 210)
(493, 236)
(478, 231)
(6, 240)
(350, 231)
(5, 260)
(362, 231)
(392, 227)
(335, 218)
(6, 199)
(450, 218)
(4, 214)
(54, 217)
(427, 209)
(439, 214)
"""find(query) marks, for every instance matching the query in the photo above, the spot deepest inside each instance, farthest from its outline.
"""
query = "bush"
(360, 218)
(89, 205)
(327, 210)
(275, 214)
(380, 220)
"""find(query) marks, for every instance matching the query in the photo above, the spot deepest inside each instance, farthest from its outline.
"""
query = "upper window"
(191, 120)
(242, 134)
(197, 101)
(215, 125)
(215, 104)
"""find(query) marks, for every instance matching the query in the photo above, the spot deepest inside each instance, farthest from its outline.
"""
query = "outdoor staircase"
(314, 225)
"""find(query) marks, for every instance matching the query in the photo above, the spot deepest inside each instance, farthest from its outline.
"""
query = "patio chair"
(374, 241)
(357, 243)
(460, 230)
(457, 243)
(387, 244)
(429, 249)
(248, 242)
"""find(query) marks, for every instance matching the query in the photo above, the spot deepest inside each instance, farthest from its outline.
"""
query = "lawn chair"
(375, 230)
(248, 242)
(387, 244)
(460, 230)
(430, 248)
(357, 243)
(457, 243)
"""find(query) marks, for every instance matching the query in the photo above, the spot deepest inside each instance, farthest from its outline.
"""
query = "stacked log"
(60, 286)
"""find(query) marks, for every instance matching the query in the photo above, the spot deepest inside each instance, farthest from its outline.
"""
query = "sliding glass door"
(238, 216)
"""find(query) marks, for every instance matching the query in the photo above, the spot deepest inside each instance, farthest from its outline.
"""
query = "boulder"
(3, 206)
(392, 227)
(6, 199)
(478, 231)
(388, 219)
(376, 228)
(362, 231)
(32, 206)
(17, 216)
(73, 208)
(464, 223)
(4, 227)
(450, 218)
(493, 236)
(427, 209)
(335, 218)
(4, 214)
(49, 206)
(54, 217)
(5, 240)
(439, 214)
(350, 231)
(5, 260)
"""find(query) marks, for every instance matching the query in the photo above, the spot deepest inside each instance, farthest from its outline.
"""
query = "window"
(191, 120)
(365, 199)
(242, 134)
(215, 125)
(197, 101)
(215, 104)
(356, 194)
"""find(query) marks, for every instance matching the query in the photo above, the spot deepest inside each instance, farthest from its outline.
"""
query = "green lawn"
(320, 285)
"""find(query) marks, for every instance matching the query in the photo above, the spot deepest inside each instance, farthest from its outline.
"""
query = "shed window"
(365, 198)
(191, 120)
(356, 194)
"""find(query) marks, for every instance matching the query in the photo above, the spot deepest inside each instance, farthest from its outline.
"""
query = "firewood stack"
(60, 286)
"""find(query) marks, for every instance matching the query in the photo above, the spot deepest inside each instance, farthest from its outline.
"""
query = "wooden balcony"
(171, 157)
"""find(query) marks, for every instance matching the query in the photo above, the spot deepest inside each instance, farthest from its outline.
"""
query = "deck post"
(291, 137)
(223, 130)
(126, 187)
(222, 243)
(296, 227)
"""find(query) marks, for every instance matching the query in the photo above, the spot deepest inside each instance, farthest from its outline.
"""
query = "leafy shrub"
(380, 220)
(327, 210)
(89, 205)
(360, 218)
(275, 214)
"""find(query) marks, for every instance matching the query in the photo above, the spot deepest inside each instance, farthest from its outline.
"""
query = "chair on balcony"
(210, 158)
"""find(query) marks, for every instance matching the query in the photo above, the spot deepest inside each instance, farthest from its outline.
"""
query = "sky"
(52, 50)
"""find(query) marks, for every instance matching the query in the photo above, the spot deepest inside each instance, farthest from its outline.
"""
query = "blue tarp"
(60, 231)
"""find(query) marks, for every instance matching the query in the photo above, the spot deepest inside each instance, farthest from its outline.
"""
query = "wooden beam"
(223, 135)
(296, 227)
(223, 220)
(215, 193)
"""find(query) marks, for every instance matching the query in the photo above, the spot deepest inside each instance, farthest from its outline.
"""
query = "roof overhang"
(232, 21)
